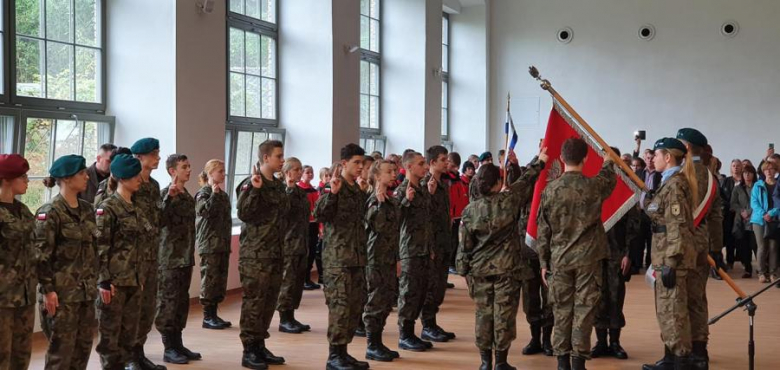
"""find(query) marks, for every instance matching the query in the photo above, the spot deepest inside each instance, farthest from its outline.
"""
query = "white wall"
(688, 75)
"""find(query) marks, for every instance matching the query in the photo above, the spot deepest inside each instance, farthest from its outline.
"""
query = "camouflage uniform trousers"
(575, 296)
(536, 305)
(16, 329)
(173, 300)
(671, 307)
(438, 273)
(148, 302)
(345, 296)
(213, 278)
(497, 298)
(118, 327)
(261, 280)
(413, 287)
(382, 284)
(294, 275)
(613, 296)
(70, 334)
(697, 298)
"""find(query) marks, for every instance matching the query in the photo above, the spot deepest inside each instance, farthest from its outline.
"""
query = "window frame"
(34, 103)
(6, 70)
(366, 136)
(445, 79)
(375, 58)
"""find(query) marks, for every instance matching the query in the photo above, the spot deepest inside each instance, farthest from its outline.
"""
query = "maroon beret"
(12, 166)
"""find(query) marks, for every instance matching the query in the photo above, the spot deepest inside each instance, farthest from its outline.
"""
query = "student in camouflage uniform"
(709, 240)
(148, 201)
(383, 227)
(119, 227)
(295, 249)
(103, 191)
(674, 252)
(67, 266)
(262, 207)
(342, 212)
(571, 244)
(441, 242)
(17, 266)
(489, 257)
(213, 231)
(177, 256)
(416, 250)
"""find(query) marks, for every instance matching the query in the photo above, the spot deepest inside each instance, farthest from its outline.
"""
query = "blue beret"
(485, 156)
(67, 166)
(125, 166)
(145, 146)
(692, 136)
(670, 143)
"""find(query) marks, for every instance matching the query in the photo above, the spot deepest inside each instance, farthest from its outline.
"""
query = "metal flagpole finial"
(535, 74)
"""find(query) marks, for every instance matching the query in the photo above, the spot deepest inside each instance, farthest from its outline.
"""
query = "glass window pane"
(237, 6)
(243, 153)
(374, 74)
(269, 11)
(252, 96)
(2, 61)
(276, 136)
(269, 57)
(253, 8)
(29, 17)
(87, 67)
(444, 126)
(445, 27)
(67, 138)
(29, 67)
(364, 80)
(375, 9)
(59, 71)
(36, 194)
(236, 50)
(252, 53)
(379, 145)
(444, 95)
(257, 139)
(237, 98)
(374, 117)
(87, 22)
(364, 7)
(236, 180)
(369, 146)
(91, 141)
(374, 36)
(364, 33)
(228, 138)
(362, 143)
(364, 112)
(6, 134)
(37, 145)
(59, 20)
(445, 58)
(269, 98)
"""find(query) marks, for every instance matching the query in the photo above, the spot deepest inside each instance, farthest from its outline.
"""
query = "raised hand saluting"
(257, 179)
(174, 189)
(335, 181)
(543, 155)
(410, 192)
(432, 185)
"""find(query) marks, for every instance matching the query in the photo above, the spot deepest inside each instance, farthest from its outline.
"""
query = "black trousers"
(315, 252)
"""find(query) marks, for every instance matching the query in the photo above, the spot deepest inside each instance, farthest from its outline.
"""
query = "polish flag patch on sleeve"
(41, 217)
(99, 212)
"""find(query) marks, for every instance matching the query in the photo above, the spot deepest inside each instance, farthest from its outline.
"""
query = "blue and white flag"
(511, 141)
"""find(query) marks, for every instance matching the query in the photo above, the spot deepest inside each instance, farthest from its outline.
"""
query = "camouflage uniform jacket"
(513, 173)
(622, 234)
(297, 232)
(441, 225)
(213, 222)
(149, 202)
(672, 224)
(710, 231)
(17, 257)
(416, 238)
(345, 233)
(65, 240)
(120, 226)
(177, 242)
(102, 193)
(383, 225)
(489, 243)
(570, 231)
(262, 212)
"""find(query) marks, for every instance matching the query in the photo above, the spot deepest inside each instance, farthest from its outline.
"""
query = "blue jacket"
(759, 202)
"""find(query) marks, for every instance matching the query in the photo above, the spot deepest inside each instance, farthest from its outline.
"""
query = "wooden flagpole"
(546, 85)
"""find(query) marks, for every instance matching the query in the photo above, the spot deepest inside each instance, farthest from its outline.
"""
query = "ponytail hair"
(113, 183)
(690, 173)
(211, 165)
(50, 182)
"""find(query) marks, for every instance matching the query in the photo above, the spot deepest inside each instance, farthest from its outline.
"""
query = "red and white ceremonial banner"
(560, 127)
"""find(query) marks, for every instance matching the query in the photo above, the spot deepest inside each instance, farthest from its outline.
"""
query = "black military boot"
(301, 326)
(210, 318)
(226, 324)
(564, 362)
(666, 363)
(601, 349)
(268, 357)
(682, 363)
(286, 325)
(577, 363)
(360, 365)
(535, 345)
(699, 359)
(614, 345)
(184, 350)
(252, 358)
(172, 353)
(375, 350)
(449, 335)
(501, 363)
(432, 333)
(337, 360)
(487, 359)
(547, 340)
(361, 330)
(408, 341)
(133, 365)
(143, 362)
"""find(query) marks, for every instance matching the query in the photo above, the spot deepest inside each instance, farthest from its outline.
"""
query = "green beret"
(692, 136)
(67, 166)
(485, 156)
(670, 143)
(145, 146)
(125, 166)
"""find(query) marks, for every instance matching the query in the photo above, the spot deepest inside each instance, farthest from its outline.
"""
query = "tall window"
(370, 76)
(445, 76)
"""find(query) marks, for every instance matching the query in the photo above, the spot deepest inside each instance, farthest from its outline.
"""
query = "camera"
(640, 135)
